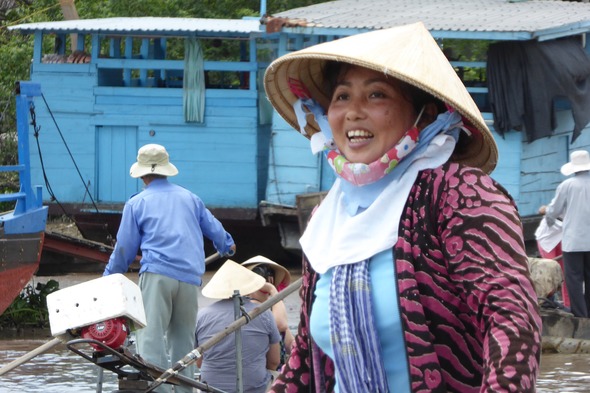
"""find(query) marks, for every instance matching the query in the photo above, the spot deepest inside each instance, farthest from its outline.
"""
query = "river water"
(62, 371)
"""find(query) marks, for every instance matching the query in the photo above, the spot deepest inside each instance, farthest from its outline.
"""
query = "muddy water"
(61, 371)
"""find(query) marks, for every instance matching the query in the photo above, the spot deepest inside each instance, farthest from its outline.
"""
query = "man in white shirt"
(572, 202)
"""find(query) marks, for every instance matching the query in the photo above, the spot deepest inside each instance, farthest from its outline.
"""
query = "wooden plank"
(507, 171)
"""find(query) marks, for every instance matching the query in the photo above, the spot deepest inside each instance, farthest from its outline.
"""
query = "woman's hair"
(264, 271)
(418, 97)
(151, 176)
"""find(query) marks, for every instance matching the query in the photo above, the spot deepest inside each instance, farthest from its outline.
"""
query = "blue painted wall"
(98, 130)
(236, 158)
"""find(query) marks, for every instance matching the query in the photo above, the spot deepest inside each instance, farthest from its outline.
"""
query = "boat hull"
(19, 260)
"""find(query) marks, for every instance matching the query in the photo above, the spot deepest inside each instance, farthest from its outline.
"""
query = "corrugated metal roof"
(536, 17)
(146, 25)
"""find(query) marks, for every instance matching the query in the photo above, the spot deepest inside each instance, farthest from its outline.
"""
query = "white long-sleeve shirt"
(572, 202)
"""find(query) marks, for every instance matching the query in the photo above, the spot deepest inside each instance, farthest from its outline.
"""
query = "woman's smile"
(359, 136)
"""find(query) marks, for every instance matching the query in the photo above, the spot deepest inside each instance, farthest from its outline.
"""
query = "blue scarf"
(357, 350)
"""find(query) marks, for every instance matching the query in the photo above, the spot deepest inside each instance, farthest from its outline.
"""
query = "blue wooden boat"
(21, 229)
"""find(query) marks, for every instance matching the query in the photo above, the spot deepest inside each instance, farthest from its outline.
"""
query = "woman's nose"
(354, 110)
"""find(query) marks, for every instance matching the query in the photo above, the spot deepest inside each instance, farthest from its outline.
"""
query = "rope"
(69, 152)
(36, 130)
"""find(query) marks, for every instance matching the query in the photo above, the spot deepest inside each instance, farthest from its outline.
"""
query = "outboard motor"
(112, 333)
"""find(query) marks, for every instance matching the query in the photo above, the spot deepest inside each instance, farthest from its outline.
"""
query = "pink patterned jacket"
(468, 307)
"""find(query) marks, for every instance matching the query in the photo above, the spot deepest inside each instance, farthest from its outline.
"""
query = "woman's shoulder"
(450, 168)
(451, 175)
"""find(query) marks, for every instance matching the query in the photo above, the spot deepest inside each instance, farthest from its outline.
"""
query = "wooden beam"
(69, 11)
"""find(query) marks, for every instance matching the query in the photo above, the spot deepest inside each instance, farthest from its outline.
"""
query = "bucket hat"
(579, 161)
(232, 277)
(408, 53)
(282, 277)
(152, 159)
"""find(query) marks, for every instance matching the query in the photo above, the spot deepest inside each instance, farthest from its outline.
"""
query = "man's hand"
(232, 250)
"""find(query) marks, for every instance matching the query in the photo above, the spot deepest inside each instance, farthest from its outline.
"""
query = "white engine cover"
(94, 301)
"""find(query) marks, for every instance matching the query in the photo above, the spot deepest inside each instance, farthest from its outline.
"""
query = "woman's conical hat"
(282, 275)
(232, 277)
(408, 53)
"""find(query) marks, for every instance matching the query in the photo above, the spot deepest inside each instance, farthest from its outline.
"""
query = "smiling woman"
(370, 111)
(413, 217)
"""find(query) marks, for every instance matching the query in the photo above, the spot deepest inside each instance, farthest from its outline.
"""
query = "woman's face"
(368, 114)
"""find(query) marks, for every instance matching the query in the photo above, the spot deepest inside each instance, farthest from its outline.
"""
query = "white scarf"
(333, 236)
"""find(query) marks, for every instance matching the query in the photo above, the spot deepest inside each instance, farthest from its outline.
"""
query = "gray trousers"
(577, 280)
(171, 314)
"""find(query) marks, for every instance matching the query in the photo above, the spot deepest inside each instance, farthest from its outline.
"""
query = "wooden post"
(69, 11)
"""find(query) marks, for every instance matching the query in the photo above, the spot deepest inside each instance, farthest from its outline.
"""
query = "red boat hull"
(19, 260)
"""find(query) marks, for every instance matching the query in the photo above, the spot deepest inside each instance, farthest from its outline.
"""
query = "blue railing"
(26, 198)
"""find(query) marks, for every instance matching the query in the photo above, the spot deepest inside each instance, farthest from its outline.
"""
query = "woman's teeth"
(359, 135)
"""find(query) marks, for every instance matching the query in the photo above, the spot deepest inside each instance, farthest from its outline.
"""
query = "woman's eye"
(377, 94)
(340, 97)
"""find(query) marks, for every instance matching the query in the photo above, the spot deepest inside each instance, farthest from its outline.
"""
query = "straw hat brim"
(570, 168)
(232, 277)
(408, 53)
(282, 275)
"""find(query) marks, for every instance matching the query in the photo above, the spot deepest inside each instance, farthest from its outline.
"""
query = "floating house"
(194, 85)
(112, 85)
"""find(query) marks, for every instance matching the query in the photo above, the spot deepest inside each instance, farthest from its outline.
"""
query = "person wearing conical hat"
(280, 278)
(572, 203)
(167, 223)
(415, 272)
(274, 273)
(260, 336)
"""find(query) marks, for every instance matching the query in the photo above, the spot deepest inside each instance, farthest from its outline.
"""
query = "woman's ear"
(428, 116)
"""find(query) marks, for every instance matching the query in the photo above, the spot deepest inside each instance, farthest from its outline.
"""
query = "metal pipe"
(99, 379)
(237, 314)
(262, 8)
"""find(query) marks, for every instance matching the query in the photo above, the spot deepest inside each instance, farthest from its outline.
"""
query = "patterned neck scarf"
(356, 345)
(360, 174)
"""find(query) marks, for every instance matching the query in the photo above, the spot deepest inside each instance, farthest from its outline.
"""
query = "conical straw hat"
(408, 53)
(232, 277)
(282, 275)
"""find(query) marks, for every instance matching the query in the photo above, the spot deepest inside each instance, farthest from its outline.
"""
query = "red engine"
(112, 333)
